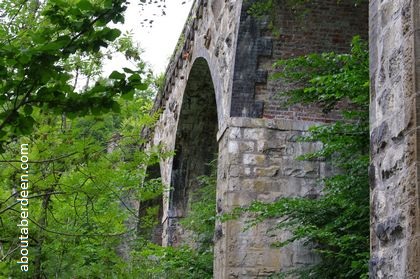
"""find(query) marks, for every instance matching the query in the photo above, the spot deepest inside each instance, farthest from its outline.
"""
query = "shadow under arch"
(195, 144)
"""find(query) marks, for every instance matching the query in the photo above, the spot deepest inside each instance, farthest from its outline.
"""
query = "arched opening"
(195, 145)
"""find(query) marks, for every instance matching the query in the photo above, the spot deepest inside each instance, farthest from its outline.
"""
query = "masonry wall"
(257, 162)
(395, 145)
(256, 135)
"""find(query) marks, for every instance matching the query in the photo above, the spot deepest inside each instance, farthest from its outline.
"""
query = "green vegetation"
(336, 225)
(201, 218)
(157, 262)
(46, 47)
(86, 165)
(187, 262)
(79, 193)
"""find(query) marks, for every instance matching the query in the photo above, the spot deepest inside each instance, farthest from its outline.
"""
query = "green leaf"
(58, 44)
(135, 78)
(24, 57)
(112, 34)
(98, 88)
(117, 75)
(84, 5)
(128, 95)
(116, 107)
(25, 124)
(28, 110)
(39, 38)
(128, 71)
(10, 62)
(142, 86)
(108, 4)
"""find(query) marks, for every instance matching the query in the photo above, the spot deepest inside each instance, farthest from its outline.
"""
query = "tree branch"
(76, 235)
(10, 207)
(42, 161)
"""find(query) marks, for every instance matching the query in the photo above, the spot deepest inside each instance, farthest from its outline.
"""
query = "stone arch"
(195, 144)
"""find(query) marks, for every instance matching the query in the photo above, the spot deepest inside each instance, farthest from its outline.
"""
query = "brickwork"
(319, 26)
(252, 45)
(395, 80)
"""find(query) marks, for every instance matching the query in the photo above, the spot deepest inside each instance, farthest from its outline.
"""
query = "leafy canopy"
(43, 45)
(86, 161)
(84, 183)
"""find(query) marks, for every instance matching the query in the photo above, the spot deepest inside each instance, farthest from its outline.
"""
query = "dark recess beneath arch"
(196, 143)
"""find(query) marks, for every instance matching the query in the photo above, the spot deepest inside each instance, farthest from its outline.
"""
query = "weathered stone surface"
(266, 175)
(394, 177)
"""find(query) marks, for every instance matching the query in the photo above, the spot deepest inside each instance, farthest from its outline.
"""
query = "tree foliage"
(87, 168)
(336, 225)
(157, 262)
(45, 47)
(83, 181)
(187, 262)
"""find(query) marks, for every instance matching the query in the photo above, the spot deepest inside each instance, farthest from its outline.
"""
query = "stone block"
(274, 148)
(233, 147)
(242, 198)
(303, 169)
(254, 159)
(234, 133)
(254, 134)
(413, 257)
(267, 171)
(248, 171)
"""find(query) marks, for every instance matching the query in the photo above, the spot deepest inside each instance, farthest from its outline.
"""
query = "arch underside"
(195, 144)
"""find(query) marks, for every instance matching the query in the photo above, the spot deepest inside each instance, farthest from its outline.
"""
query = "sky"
(158, 41)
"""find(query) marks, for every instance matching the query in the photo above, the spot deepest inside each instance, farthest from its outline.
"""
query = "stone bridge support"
(257, 162)
(217, 99)
(395, 138)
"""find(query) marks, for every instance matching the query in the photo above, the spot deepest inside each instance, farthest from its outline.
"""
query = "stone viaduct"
(218, 99)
